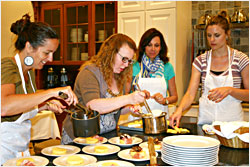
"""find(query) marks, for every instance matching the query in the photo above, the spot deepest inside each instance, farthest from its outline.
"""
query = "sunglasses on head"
(125, 59)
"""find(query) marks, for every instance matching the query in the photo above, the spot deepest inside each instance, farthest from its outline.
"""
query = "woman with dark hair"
(36, 42)
(153, 72)
(222, 71)
(101, 84)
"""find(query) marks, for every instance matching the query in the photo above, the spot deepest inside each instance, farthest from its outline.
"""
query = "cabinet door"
(132, 24)
(165, 21)
(104, 23)
(130, 6)
(160, 4)
(76, 28)
(53, 16)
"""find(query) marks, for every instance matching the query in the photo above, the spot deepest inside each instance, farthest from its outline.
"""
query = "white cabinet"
(132, 24)
(173, 19)
(128, 6)
(164, 20)
(160, 4)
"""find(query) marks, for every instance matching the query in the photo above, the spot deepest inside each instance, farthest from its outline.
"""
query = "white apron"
(229, 109)
(153, 85)
(15, 136)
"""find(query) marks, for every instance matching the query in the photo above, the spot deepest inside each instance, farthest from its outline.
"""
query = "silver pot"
(85, 125)
(154, 125)
(225, 14)
(204, 19)
(239, 16)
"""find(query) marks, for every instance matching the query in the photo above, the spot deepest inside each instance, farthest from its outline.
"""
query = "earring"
(28, 61)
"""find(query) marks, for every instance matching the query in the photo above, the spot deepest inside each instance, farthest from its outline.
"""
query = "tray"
(126, 126)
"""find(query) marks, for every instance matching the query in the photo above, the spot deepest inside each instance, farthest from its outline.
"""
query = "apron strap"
(19, 65)
(210, 59)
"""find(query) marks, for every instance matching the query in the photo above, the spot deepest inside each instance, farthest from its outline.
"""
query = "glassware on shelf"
(51, 78)
(64, 78)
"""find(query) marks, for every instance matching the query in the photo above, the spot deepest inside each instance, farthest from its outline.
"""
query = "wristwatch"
(166, 102)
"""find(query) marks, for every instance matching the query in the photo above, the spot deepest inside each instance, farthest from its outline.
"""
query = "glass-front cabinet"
(77, 27)
(52, 16)
(82, 27)
(104, 22)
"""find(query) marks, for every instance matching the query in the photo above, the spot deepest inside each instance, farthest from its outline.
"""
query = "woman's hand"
(159, 98)
(147, 93)
(174, 119)
(136, 109)
(137, 97)
(72, 99)
(55, 106)
(218, 94)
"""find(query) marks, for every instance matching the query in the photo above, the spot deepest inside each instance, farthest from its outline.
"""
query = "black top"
(217, 72)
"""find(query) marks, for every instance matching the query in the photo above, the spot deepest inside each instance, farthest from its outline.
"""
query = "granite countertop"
(227, 156)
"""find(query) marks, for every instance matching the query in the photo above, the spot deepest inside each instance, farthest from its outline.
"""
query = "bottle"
(50, 78)
(64, 77)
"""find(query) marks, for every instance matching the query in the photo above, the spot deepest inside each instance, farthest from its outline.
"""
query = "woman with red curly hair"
(101, 84)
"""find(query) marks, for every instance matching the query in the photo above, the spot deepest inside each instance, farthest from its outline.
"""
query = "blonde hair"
(105, 59)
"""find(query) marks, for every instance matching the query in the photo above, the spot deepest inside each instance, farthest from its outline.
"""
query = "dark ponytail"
(33, 32)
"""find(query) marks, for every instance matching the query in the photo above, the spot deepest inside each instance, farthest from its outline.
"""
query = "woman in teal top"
(168, 71)
(153, 72)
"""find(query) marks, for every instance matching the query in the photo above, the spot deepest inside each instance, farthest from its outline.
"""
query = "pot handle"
(78, 105)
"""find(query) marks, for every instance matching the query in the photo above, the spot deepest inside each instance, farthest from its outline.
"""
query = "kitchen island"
(227, 156)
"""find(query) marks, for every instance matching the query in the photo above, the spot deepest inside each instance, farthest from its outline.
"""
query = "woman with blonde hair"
(222, 71)
(101, 83)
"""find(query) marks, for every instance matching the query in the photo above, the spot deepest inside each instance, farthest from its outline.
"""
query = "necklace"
(112, 94)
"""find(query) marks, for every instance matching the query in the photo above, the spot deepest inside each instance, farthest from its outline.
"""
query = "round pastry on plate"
(112, 163)
(25, 162)
(137, 152)
(90, 140)
(126, 139)
(74, 160)
(101, 149)
(58, 151)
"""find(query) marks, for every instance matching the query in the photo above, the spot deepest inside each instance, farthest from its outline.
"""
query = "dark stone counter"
(227, 156)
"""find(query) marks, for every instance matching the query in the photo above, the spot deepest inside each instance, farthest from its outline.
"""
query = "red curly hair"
(105, 60)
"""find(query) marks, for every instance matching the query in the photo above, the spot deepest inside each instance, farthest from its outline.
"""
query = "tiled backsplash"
(239, 36)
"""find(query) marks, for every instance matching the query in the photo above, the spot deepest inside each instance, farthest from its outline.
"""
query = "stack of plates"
(102, 34)
(74, 54)
(192, 150)
(76, 35)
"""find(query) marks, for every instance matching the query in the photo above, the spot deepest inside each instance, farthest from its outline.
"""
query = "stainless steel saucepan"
(154, 124)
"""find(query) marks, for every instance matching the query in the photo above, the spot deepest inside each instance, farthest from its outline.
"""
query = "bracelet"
(166, 101)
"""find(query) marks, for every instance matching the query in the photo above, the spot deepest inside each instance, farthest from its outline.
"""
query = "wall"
(240, 37)
(183, 47)
(10, 12)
